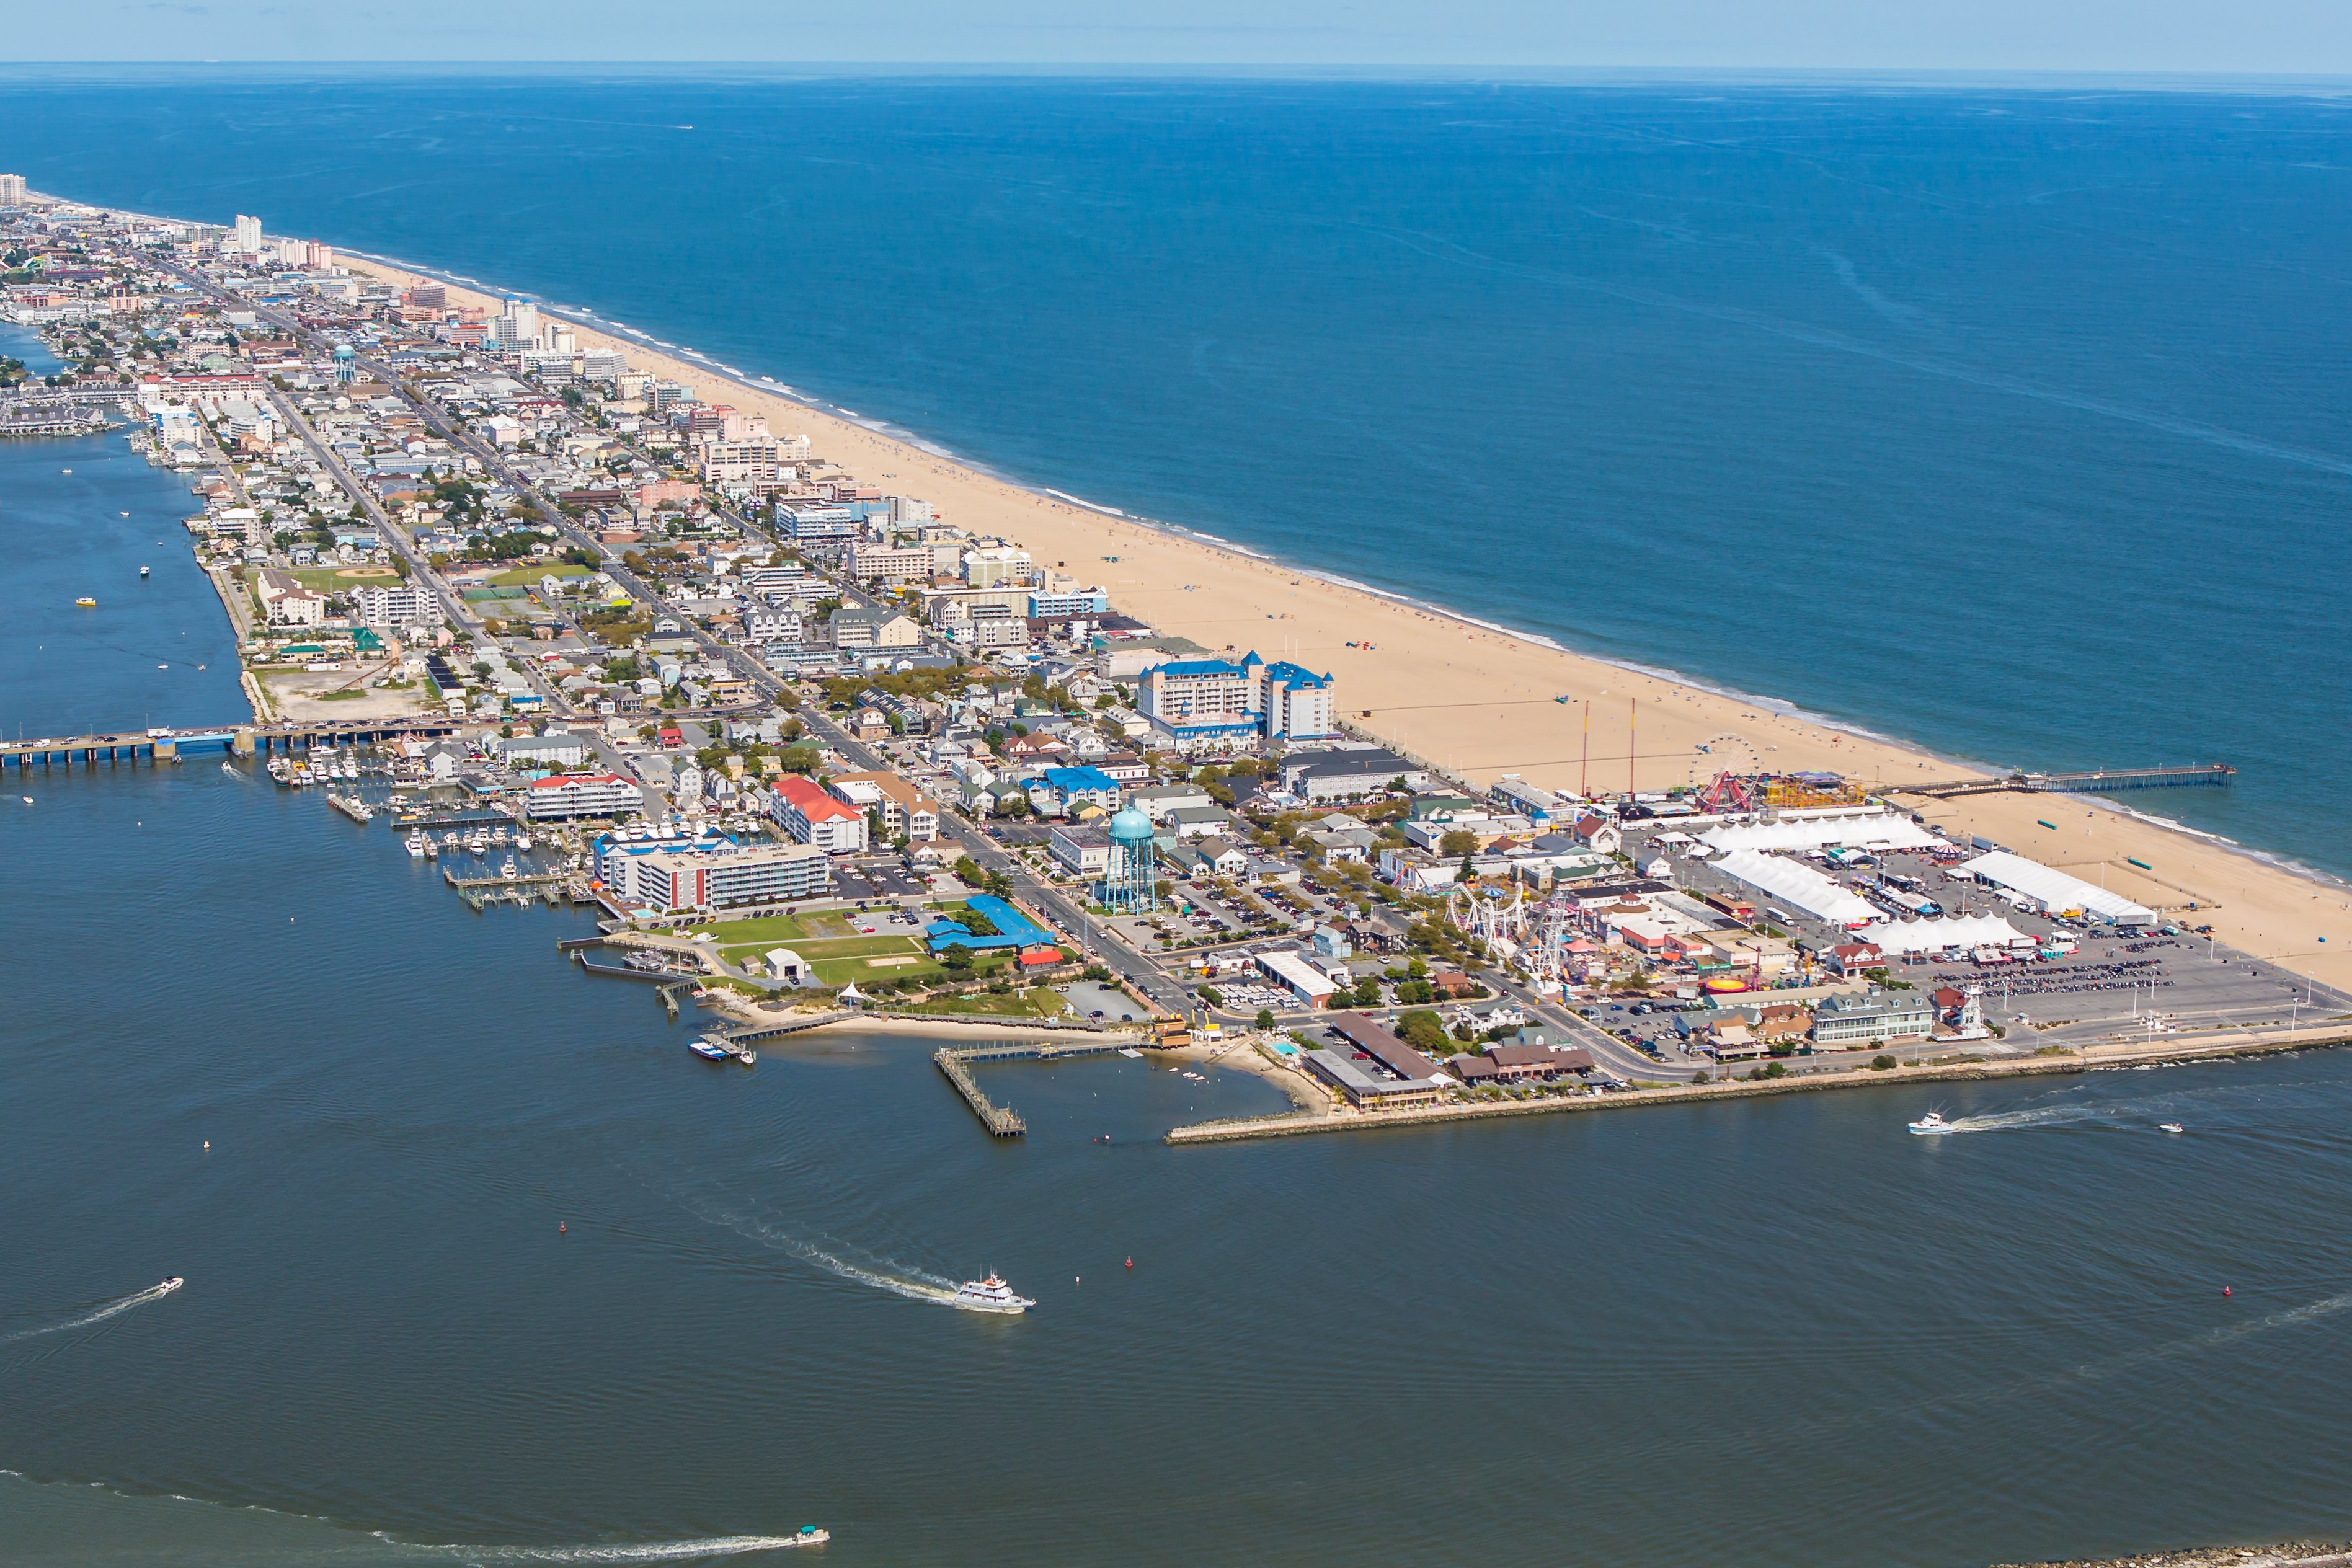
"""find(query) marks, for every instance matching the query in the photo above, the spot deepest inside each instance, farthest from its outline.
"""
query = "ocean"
(1774, 1332)
(2008, 422)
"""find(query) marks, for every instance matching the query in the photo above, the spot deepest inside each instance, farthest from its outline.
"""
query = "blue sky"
(2295, 38)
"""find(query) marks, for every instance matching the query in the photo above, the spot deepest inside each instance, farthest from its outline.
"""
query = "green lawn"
(857, 947)
(1038, 1002)
(771, 929)
(332, 578)
(529, 576)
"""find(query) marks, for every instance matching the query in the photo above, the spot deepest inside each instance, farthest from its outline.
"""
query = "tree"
(1460, 842)
(1264, 1019)
(968, 872)
(1423, 1031)
(1212, 996)
(957, 960)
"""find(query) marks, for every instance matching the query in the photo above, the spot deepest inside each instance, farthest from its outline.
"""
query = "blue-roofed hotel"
(1203, 702)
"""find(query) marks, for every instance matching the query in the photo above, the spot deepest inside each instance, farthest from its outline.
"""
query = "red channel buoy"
(561, 1229)
(1130, 1262)
(2225, 1290)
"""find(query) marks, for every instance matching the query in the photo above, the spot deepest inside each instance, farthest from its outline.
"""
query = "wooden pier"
(758, 1032)
(2099, 782)
(1001, 1120)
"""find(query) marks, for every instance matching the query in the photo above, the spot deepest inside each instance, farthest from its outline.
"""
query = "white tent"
(1900, 936)
(2056, 890)
(1797, 886)
(1873, 831)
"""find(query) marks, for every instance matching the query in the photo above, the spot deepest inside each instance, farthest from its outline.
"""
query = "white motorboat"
(507, 870)
(990, 1295)
(1933, 1122)
(169, 1285)
(416, 846)
(2170, 1127)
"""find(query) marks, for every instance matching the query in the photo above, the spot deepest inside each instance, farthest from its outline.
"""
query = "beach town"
(826, 729)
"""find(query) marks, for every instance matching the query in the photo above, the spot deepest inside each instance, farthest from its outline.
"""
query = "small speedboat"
(169, 1285)
(143, 571)
(85, 602)
(990, 1295)
(711, 1050)
(2170, 1127)
(1933, 1122)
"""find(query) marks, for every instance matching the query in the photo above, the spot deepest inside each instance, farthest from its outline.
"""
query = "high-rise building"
(12, 190)
(521, 327)
(248, 235)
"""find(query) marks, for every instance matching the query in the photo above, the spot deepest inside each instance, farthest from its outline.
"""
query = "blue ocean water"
(2010, 422)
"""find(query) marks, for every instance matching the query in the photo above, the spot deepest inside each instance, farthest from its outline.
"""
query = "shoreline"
(1653, 726)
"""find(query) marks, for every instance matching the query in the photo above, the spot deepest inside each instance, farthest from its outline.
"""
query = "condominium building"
(1199, 702)
(405, 605)
(906, 811)
(566, 795)
(698, 879)
(248, 235)
(998, 565)
(892, 563)
(12, 190)
(811, 816)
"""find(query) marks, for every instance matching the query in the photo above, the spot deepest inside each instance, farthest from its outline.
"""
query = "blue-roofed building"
(1014, 930)
(1206, 703)
(1072, 786)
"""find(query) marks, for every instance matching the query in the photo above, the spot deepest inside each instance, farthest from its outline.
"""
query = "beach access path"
(1480, 702)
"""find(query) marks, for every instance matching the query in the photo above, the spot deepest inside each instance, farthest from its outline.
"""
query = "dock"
(758, 1032)
(1000, 1120)
(240, 739)
(624, 972)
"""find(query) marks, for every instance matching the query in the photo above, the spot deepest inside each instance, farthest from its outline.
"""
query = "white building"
(405, 605)
(248, 235)
(566, 795)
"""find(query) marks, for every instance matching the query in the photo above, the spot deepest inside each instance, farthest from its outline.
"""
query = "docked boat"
(1933, 1122)
(415, 846)
(507, 870)
(990, 1295)
(523, 842)
(432, 850)
(2170, 1127)
(711, 1050)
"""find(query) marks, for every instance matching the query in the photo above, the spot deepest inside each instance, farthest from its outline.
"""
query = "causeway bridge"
(167, 745)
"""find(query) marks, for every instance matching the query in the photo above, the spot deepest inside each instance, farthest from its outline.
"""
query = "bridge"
(2097, 782)
(164, 745)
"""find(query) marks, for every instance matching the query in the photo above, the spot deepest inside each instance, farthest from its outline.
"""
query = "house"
(1851, 958)
(1070, 786)
(811, 816)
(1224, 856)
(1157, 800)
(1199, 821)
(1597, 834)
(1342, 838)
(906, 812)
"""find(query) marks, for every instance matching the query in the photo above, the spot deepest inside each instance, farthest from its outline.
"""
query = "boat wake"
(882, 1273)
(92, 1315)
(2041, 1117)
(615, 1551)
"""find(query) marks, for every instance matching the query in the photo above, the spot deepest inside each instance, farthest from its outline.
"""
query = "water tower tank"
(1130, 826)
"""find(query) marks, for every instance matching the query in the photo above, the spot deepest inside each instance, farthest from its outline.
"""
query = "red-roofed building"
(564, 795)
(812, 817)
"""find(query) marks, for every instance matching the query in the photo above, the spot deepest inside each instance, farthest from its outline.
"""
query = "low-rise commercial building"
(567, 795)
(1872, 1018)
(812, 817)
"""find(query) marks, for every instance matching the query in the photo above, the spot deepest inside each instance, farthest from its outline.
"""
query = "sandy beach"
(1405, 681)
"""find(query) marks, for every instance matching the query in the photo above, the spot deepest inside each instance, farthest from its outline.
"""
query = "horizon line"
(1498, 72)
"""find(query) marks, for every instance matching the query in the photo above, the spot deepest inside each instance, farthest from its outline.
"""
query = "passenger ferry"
(990, 1295)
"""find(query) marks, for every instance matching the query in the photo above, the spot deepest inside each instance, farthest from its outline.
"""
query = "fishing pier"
(2098, 781)
(1002, 1121)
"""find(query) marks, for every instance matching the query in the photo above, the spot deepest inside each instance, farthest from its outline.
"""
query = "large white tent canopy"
(1874, 831)
(1905, 936)
(1797, 886)
(2055, 890)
